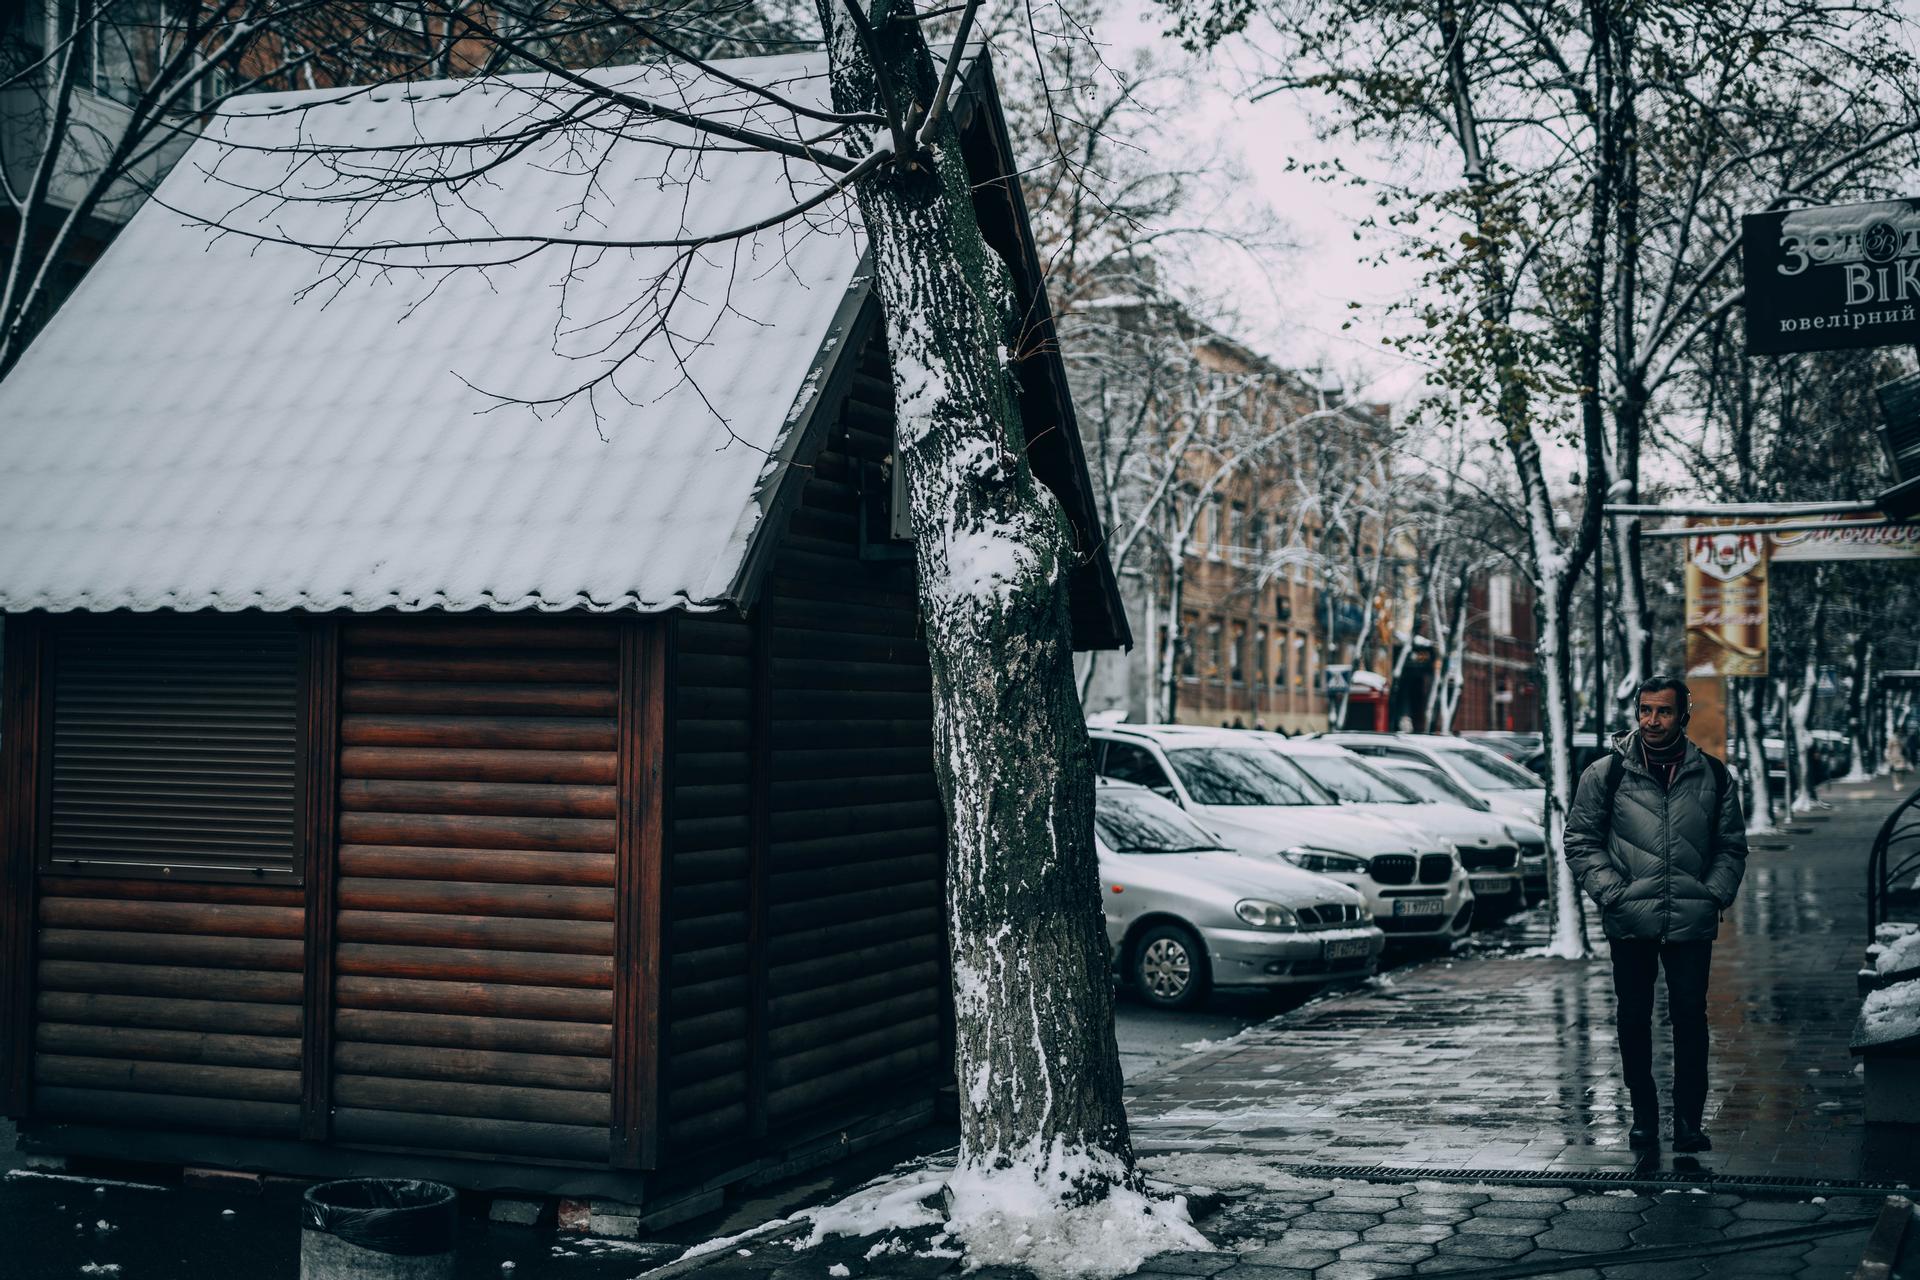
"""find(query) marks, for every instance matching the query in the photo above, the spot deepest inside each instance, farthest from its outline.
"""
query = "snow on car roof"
(225, 421)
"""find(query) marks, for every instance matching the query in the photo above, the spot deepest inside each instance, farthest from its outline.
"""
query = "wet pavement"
(1506, 1062)
(1471, 1107)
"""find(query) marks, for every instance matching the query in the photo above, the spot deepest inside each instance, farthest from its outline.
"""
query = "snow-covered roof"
(227, 421)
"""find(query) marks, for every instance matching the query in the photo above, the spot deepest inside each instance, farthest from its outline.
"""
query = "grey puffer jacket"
(1655, 879)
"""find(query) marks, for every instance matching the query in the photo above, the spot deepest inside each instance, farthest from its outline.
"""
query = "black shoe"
(1690, 1137)
(1645, 1133)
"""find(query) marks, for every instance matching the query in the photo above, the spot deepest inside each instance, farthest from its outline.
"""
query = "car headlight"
(1366, 914)
(1262, 914)
(1323, 860)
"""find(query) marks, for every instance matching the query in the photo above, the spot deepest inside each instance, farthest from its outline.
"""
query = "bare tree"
(1042, 1122)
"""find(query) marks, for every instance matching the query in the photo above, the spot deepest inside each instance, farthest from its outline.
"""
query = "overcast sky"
(1295, 315)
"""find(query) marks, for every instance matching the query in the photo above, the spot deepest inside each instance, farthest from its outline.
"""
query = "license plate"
(1418, 907)
(1491, 884)
(1345, 948)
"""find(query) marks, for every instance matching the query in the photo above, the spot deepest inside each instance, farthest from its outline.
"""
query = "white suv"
(1488, 847)
(1258, 802)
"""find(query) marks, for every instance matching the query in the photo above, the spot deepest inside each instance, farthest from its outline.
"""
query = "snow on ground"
(1890, 1014)
(899, 1202)
(15, 1175)
(1004, 1217)
(1015, 1217)
(1895, 950)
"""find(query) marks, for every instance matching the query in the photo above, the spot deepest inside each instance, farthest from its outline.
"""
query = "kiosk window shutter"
(175, 748)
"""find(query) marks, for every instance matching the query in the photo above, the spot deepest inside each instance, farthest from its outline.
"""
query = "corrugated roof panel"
(221, 421)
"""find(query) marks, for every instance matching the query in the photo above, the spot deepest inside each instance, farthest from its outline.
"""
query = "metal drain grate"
(1654, 1179)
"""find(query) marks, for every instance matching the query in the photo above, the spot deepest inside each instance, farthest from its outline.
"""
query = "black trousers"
(1634, 965)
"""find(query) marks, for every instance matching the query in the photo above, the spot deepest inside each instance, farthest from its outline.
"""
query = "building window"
(1500, 604)
(175, 747)
(1299, 662)
(1219, 522)
(1237, 536)
(1189, 640)
(1237, 656)
(1260, 658)
(1216, 642)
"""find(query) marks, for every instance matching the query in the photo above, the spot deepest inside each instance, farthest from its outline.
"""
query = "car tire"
(1170, 968)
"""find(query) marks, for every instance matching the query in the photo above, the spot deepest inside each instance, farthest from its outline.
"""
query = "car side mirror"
(1166, 793)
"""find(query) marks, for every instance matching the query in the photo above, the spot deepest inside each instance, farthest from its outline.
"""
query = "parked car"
(1516, 747)
(1488, 847)
(1509, 789)
(1185, 915)
(1436, 787)
(1586, 749)
(1258, 802)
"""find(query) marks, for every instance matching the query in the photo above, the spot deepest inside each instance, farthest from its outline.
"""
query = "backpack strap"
(1722, 782)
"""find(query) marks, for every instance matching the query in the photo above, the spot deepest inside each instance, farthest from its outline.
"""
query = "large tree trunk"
(1038, 1068)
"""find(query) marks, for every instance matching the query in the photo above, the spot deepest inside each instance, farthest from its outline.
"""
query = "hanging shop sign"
(1726, 603)
(1845, 540)
(1832, 278)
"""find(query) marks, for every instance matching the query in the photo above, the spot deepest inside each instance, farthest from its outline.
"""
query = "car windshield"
(1236, 776)
(1141, 822)
(1436, 788)
(1351, 780)
(1487, 771)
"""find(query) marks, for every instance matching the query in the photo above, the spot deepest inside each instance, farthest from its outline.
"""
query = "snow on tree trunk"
(1177, 638)
(1632, 612)
(1550, 570)
(1753, 746)
(1800, 711)
(1042, 1127)
(1857, 708)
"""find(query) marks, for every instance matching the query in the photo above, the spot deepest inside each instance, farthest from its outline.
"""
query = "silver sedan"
(1185, 915)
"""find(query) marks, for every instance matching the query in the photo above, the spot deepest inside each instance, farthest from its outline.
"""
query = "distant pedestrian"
(1896, 758)
(1238, 723)
(1655, 837)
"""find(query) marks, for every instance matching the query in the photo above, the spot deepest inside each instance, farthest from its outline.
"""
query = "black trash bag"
(386, 1215)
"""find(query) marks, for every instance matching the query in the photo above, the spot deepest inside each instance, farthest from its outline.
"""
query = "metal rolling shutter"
(175, 747)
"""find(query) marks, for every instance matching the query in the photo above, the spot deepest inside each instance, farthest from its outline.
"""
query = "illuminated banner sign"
(1833, 278)
(1726, 604)
(1842, 542)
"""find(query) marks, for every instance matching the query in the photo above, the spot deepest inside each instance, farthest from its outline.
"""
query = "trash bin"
(378, 1229)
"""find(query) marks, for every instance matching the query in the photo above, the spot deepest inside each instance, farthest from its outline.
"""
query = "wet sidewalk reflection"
(1507, 1062)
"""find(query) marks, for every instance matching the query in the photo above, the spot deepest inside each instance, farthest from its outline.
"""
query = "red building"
(1499, 666)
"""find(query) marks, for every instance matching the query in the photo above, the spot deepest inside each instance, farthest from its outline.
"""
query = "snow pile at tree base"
(1024, 1216)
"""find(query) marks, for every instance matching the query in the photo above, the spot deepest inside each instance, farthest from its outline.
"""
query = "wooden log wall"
(709, 896)
(475, 929)
(855, 829)
(168, 1004)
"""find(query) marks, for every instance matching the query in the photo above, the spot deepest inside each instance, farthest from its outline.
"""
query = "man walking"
(1655, 837)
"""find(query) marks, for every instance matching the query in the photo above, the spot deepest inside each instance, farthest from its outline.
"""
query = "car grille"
(1329, 915)
(1392, 868)
(1501, 857)
(1436, 868)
